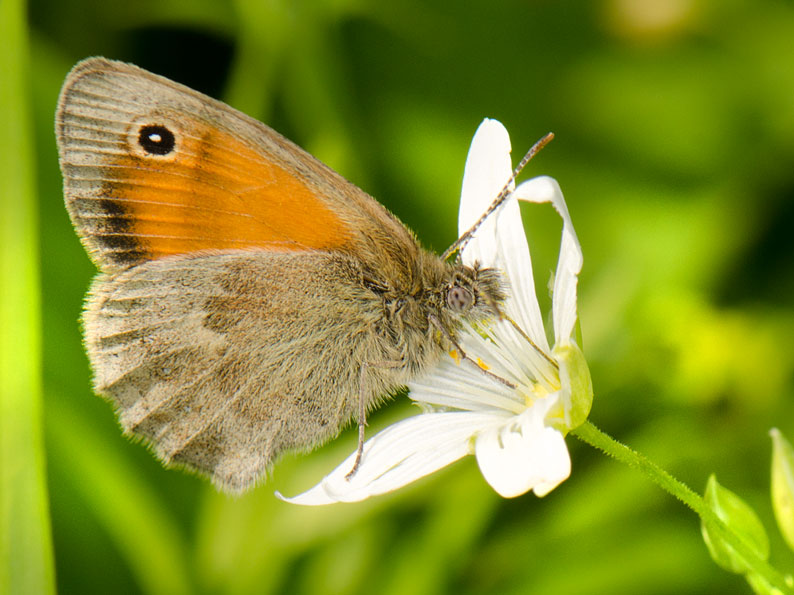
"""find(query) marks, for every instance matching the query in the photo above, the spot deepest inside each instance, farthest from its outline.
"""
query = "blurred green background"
(675, 144)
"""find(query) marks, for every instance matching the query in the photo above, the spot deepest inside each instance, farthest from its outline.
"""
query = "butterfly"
(250, 300)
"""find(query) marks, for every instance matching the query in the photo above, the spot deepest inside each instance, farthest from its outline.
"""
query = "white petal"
(488, 168)
(514, 259)
(399, 455)
(500, 242)
(545, 189)
(555, 466)
(514, 460)
(461, 386)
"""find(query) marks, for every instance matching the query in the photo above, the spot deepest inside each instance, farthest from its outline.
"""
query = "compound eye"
(459, 298)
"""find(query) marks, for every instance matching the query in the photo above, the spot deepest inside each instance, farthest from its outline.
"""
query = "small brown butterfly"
(250, 301)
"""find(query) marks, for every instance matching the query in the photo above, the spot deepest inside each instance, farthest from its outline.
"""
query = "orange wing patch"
(210, 191)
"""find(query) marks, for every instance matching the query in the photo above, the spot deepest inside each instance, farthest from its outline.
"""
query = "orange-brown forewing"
(225, 182)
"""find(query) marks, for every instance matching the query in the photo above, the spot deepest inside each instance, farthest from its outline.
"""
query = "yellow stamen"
(453, 353)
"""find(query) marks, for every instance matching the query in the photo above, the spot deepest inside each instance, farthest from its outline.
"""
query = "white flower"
(516, 432)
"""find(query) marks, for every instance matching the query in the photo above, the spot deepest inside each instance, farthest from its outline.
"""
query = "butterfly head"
(473, 293)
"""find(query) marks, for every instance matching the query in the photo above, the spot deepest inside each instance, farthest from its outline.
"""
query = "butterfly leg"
(362, 409)
(437, 323)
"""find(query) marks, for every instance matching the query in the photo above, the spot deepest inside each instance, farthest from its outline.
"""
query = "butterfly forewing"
(152, 169)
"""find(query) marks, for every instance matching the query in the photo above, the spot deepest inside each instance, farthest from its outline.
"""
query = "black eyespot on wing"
(156, 139)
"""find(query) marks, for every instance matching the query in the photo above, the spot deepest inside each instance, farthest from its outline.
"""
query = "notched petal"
(488, 167)
(544, 189)
(515, 461)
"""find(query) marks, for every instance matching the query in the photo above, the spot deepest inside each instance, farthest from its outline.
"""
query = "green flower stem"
(588, 433)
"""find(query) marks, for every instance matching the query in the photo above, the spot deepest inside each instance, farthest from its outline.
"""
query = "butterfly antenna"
(461, 242)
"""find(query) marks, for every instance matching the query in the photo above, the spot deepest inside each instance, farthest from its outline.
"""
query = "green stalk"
(26, 560)
(588, 433)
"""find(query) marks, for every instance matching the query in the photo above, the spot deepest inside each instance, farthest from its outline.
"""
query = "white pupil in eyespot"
(155, 138)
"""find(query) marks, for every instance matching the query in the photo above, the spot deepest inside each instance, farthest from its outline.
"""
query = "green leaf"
(26, 560)
(783, 485)
(761, 586)
(741, 519)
